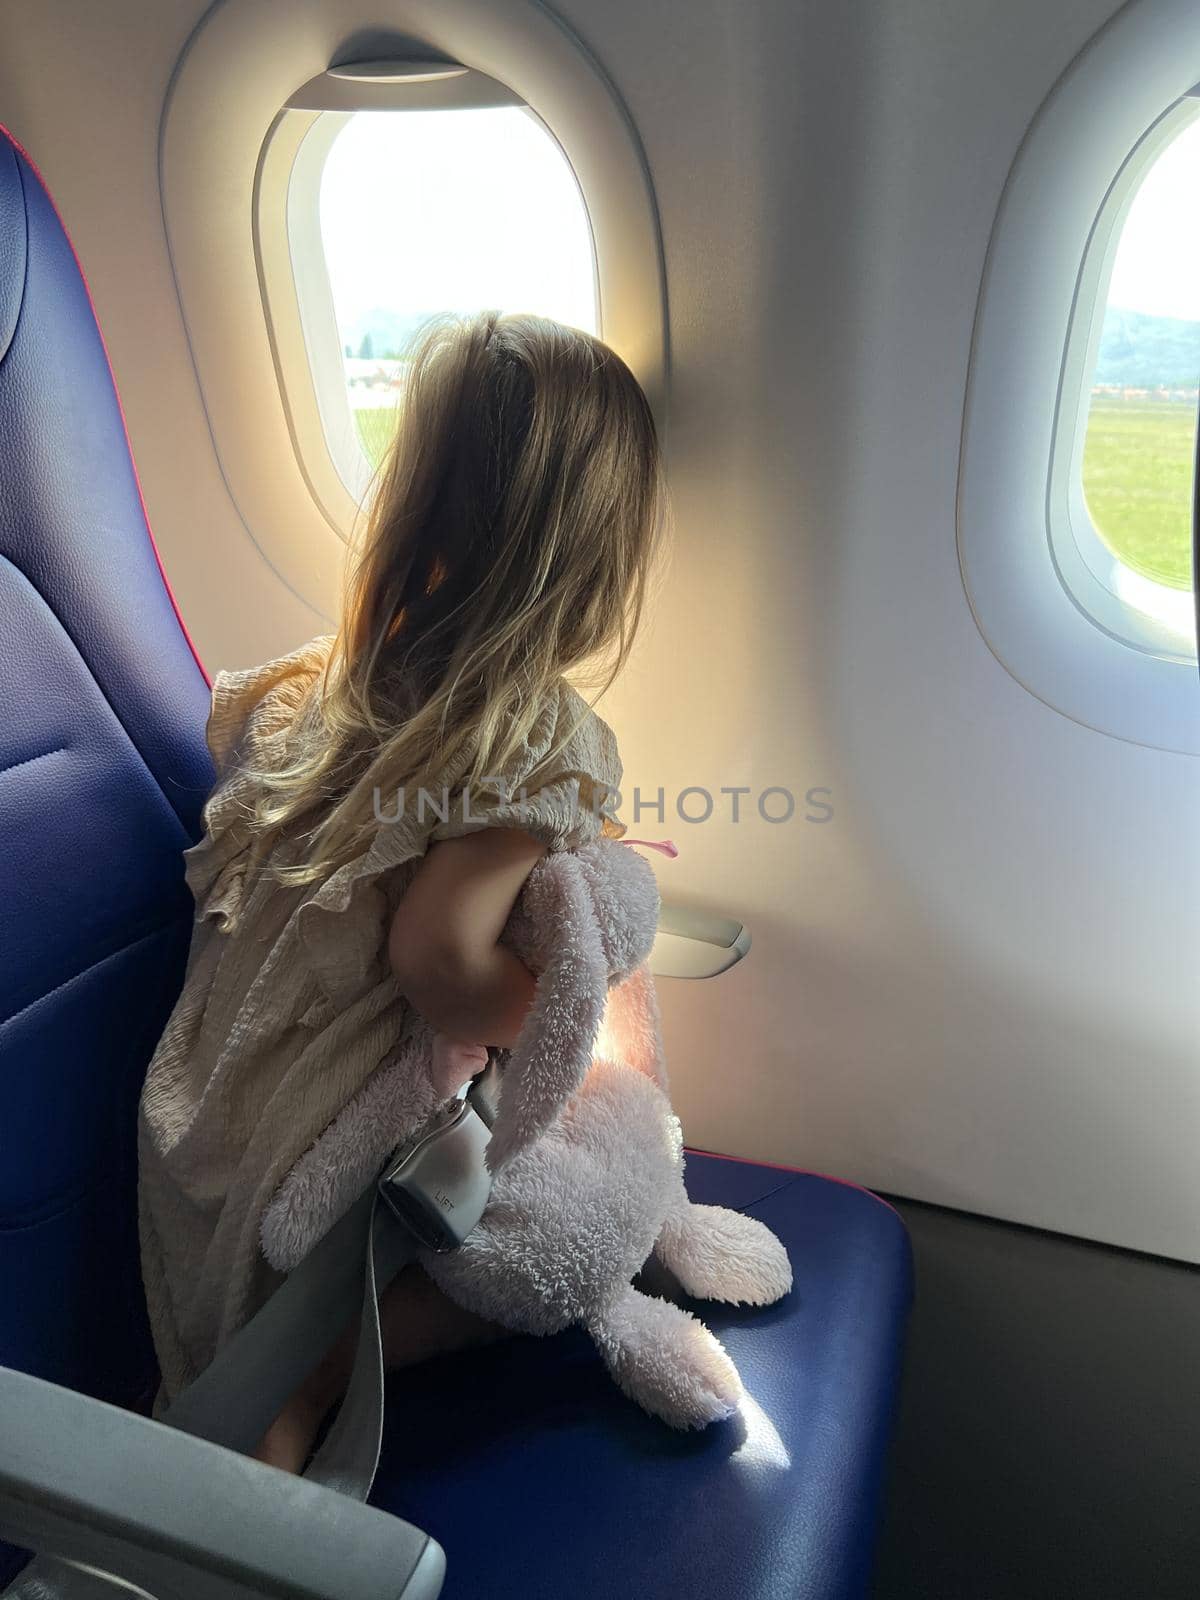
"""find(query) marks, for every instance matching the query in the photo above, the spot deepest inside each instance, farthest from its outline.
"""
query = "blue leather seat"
(535, 1474)
(103, 770)
(540, 1481)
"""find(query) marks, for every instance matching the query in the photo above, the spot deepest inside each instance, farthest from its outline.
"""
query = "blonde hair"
(511, 540)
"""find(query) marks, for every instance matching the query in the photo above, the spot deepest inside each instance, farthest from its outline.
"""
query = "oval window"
(397, 215)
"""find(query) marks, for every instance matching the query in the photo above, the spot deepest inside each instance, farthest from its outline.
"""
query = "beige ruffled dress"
(289, 1004)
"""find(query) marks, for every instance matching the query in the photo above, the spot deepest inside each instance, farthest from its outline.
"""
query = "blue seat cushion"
(542, 1481)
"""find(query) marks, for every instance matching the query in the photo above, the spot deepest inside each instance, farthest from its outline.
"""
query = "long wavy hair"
(511, 540)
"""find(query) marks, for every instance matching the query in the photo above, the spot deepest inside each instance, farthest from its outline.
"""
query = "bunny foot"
(718, 1254)
(668, 1361)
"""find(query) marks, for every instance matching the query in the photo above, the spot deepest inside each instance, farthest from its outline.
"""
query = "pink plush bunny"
(586, 1151)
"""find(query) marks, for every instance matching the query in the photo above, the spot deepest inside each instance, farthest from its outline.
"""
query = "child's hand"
(454, 1062)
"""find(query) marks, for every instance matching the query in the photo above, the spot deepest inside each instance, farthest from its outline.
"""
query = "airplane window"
(1136, 464)
(1077, 467)
(424, 211)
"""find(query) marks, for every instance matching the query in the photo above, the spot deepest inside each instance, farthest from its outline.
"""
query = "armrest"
(696, 944)
(86, 1482)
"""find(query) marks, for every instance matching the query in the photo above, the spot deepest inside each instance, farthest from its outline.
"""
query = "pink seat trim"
(802, 1172)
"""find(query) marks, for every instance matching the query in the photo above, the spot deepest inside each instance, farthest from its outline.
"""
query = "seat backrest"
(103, 771)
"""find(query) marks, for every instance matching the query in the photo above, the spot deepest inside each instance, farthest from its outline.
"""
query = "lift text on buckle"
(438, 1184)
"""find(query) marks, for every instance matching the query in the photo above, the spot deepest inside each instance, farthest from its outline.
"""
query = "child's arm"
(444, 940)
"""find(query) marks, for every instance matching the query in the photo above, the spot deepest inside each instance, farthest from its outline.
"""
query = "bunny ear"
(554, 1048)
(632, 1028)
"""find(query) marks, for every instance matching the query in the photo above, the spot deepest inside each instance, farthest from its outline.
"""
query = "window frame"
(223, 183)
(1134, 71)
(287, 243)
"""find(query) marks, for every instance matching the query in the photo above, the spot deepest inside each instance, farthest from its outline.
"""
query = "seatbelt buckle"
(438, 1184)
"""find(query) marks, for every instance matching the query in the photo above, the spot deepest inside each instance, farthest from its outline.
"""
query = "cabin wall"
(970, 985)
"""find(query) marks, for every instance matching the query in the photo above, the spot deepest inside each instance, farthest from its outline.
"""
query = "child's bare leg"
(417, 1321)
(288, 1442)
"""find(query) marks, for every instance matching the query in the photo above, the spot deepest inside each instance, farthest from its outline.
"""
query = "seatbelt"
(430, 1194)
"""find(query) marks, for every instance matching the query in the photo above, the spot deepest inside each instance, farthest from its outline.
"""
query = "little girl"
(383, 794)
